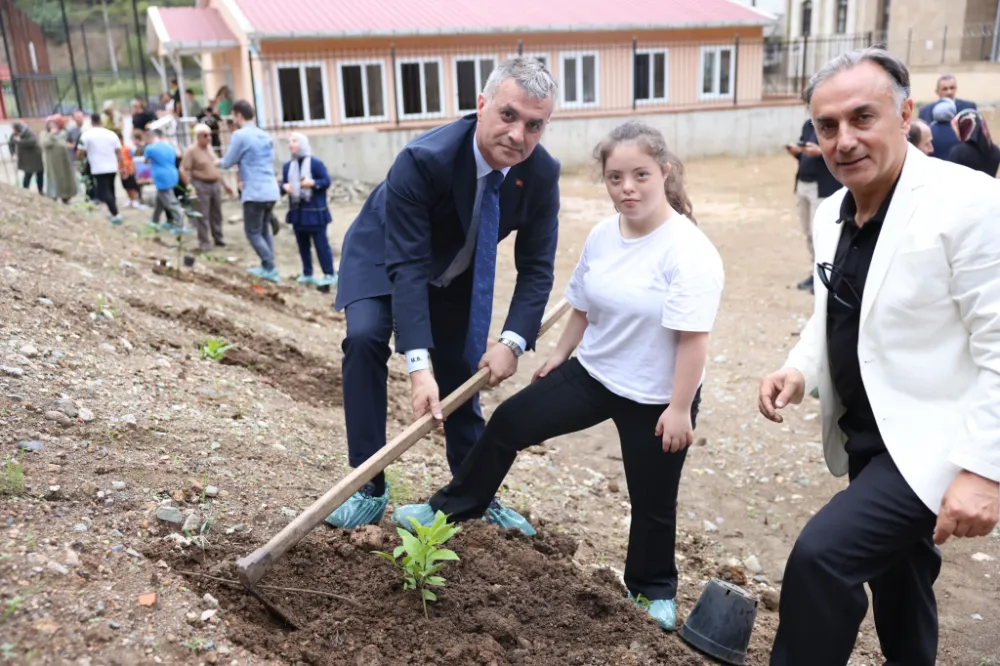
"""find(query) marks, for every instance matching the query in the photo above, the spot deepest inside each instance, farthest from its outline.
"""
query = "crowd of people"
(901, 349)
(89, 154)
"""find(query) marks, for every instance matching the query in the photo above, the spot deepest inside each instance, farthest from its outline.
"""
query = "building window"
(651, 67)
(362, 92)
(418, 88)
(471, 73)
(842, 16)
(579, 79)
(717, 71)
(302, 96)
(806, 18)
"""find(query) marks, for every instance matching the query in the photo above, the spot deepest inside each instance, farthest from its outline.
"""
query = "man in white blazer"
(904, 347)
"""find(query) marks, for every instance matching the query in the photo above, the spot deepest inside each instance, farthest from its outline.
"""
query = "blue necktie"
(484, 269)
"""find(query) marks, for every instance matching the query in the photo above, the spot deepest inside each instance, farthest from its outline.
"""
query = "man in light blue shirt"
(251, 148)
(162, 157)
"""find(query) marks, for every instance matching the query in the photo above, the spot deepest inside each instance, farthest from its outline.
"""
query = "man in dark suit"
(419, 262)
(947, 86)
(813, 184)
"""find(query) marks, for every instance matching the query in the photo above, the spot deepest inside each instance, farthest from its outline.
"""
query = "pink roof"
(190, 25)
(343, 18)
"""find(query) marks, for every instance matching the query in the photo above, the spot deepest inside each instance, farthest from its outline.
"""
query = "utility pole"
(142, 56)
(72, 60)
(10, 65)
(111, 42)
(996, 34)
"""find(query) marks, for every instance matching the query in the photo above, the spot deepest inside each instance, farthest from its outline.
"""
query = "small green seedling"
(104, 307)
(642, 601)
(11, 607)
(215, 348)
(424, 559)
(12, 480)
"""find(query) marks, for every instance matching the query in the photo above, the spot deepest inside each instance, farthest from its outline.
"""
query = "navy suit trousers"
(365, 373)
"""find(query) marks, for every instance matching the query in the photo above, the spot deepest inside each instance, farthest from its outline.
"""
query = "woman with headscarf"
(976, 149)
(61, 176)
(942, 133)
(24, 145)
(305, 180)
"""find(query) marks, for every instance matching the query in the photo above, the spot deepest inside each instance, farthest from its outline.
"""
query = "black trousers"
(877, 531)
(366, 352)
(39, 180)
(104, 190)
(569, 400)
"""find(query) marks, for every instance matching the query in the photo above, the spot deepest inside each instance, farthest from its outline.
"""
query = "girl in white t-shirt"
(645, 295)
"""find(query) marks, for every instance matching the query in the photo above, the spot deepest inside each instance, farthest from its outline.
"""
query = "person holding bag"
(305, 181)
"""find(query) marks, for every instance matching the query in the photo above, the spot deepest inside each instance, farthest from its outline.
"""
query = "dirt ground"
(101, 370)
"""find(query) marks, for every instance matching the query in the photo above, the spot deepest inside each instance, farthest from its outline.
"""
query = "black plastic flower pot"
(721, 622)
(188, 260)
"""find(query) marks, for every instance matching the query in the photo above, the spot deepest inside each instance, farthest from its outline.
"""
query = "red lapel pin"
(519, 182)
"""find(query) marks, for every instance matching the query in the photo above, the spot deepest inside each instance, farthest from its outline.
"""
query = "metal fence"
(386, 83)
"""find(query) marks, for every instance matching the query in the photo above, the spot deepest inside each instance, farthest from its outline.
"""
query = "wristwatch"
(513, 346)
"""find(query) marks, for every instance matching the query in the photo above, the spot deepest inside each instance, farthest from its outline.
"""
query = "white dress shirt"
(419, 359)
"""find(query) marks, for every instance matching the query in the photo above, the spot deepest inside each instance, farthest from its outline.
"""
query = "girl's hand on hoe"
(675, 428)
(551, 363)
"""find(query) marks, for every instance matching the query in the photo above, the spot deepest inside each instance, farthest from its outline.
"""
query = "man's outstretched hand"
(779, 389)
(424, 395)
(969, 508)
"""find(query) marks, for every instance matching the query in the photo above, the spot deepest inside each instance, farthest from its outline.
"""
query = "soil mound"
(510, 600)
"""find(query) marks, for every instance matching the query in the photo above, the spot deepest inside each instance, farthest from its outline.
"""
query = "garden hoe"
(251, 569)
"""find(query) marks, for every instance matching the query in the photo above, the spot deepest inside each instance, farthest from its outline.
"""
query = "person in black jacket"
(813, 184)
(976, 149)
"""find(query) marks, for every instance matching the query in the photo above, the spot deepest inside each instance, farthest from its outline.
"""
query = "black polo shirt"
(843, 318)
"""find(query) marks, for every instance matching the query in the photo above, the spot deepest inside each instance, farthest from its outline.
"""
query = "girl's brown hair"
(652, 141)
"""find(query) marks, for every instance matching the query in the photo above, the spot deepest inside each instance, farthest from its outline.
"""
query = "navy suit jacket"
(927, 109)
(415, 222)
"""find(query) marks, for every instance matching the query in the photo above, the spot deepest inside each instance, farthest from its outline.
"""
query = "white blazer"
(929, 340)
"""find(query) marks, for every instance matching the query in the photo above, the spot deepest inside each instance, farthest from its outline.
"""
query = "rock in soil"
(170, 514)
(65, 406)
(368, 537)
(59, 417)
(770, 598)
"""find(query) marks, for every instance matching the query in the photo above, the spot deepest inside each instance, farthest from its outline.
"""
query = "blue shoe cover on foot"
(359, 509)
(507, 519)
(664, 611)
(423, 513)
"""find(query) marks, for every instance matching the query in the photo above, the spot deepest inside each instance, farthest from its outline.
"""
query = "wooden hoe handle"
(252, 568)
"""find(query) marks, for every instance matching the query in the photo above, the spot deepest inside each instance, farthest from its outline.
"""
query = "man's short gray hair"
(530, 73)
(889, 63)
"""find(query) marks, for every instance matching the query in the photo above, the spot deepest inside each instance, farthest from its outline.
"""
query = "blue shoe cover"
(507, 519)
(359, 509)
(664, 611)
(423, 513)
